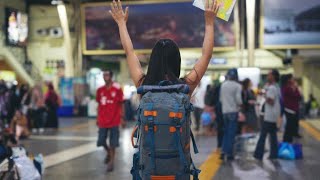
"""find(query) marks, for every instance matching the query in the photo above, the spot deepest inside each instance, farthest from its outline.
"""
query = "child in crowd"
(19, 125)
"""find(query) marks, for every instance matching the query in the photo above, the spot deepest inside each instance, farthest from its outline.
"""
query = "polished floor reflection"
(71, 154)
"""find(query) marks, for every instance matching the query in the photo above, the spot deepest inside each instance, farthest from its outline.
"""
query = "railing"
(18, 55)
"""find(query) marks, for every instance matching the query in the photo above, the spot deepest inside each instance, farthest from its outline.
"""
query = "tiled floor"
(70, 153)
(246, 168)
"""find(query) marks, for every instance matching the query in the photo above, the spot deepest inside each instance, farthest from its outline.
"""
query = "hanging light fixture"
(57, 2)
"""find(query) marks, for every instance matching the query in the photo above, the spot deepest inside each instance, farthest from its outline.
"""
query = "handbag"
(286, 151)
(206, 118)
(298, 151)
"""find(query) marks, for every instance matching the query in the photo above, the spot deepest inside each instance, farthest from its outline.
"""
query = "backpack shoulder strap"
(195, 148)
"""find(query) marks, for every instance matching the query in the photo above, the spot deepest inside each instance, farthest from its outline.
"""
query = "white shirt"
(230, 96)
(198, 96)
(272, 111)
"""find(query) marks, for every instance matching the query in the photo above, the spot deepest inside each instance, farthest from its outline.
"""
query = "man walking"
(110, 111)
(230, 97)
(272, 113)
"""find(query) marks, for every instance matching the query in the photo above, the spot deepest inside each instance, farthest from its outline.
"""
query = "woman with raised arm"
(165, 60)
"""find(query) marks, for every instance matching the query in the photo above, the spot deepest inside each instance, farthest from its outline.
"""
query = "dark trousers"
(197, 116)
(230, 123)
(271, 129)
(38, 118)
(52, 118)
(219, 120)
(291, 127)
(297, 124)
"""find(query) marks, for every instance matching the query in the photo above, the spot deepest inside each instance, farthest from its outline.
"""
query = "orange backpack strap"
(177, 115)
(150, 113)
(163, 177)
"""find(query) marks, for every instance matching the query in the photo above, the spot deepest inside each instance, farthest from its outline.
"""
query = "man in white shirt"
(272, 112)
(198, 104)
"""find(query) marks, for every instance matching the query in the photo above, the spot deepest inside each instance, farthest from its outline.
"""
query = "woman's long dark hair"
(285, 79)
(165, 63)
(246, 83)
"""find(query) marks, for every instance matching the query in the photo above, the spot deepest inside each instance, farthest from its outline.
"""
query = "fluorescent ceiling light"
(56, 2)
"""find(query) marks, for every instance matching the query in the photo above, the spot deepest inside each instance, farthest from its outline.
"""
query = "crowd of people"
(235, 108)
(25, 110)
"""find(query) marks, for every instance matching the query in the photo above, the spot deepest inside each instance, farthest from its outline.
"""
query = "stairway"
(15, 57)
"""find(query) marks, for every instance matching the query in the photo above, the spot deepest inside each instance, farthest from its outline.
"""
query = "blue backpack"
(163, 134)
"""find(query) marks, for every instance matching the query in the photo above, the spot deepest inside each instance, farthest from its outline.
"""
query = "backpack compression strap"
(150, 137)
(194, 172)
(179, 88)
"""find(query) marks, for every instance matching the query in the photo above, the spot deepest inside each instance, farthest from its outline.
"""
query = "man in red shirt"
(110, 110)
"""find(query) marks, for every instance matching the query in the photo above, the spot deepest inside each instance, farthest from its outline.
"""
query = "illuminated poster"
(16, 27)
(149, 22)
(290, 24)
(66, 91)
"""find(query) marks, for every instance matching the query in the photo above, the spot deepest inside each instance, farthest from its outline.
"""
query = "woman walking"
(52, 103)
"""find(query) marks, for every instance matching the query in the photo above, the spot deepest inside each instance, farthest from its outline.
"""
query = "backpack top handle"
(178, 88)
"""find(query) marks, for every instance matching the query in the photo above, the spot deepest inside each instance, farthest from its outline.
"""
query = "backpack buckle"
(173, 129)
(150, 122)
(187, 170)
(150, 128)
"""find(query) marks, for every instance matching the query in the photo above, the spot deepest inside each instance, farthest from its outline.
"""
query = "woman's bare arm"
(121, 18)
(194, 77)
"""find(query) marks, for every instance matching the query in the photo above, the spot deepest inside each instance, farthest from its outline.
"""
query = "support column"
(242, 17)
(306, 87)
(69, 65)
(251, 31)
(75, 20)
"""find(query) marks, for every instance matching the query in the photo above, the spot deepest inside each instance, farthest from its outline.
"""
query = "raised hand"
(200, 68)
(117, 12)
(211, 10)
